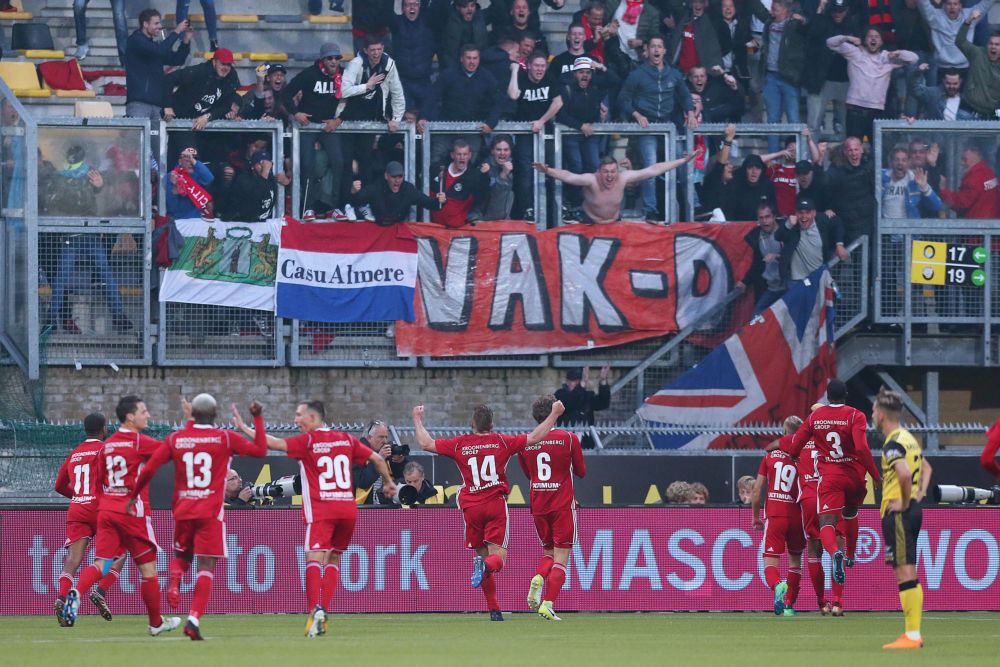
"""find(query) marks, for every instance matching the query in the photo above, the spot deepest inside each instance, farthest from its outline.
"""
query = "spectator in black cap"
(266, 102)
(251, 195)
(808, 239)
(319, 86)
(581, 403)
(812, 184)
(750, 187)
(391, 200)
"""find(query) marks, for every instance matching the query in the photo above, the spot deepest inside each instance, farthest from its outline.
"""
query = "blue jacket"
(654, 93)
(413, 47)
(918, 205)
(180, 206)
(144, 63)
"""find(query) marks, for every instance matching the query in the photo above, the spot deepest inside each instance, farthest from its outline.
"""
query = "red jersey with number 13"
(79, 478)
(325, 459)
(782, 484)
(482, 460)
(550, 465)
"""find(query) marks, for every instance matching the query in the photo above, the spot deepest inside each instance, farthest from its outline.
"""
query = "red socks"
(88, 578)
(555, 582)
(331, 577)
(109, 580)
(817, 576)
(828, 536)
(65, 583)
(179, 567)
(850, 536)
(771, 576)
(151, 596)
(838, 590)
(314, 579)
(794, 580)
(489, 587)
(544, 567)
(202, 590)
(493, 563)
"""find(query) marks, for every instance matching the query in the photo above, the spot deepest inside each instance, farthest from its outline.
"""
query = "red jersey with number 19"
(482, 460)
(121, 460)
(782, 484)
(325, 459)
(550, 465)
(78, 480)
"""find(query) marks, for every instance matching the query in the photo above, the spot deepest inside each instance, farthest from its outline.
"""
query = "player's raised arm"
(388, 484)
(277, 444)
(543, 428)
(424, 438)
(259, 445)
(803, 435)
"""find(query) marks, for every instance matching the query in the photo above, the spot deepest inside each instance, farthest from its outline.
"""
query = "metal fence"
(17, 326)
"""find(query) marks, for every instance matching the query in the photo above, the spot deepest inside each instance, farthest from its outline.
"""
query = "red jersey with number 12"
(550, 465)
(482, 460)
(121, 460)
(782, 484)
(325, 459)
(79, 478)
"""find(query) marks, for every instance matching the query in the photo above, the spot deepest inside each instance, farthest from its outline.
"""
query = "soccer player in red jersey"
(783, 525)
(325, 458)
(119, 530)
(201, 454)
(77, 480)
(550, 465)
(838, 431)
(482, 458)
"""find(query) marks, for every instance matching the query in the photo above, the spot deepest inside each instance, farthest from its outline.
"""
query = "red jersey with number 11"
(325, 459)
(79, 478)
(550, 465)
(482, 460)
(782, 484)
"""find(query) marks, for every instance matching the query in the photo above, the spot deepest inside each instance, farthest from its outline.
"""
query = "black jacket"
(457, 33)
(830, 230)
(733, 41)
(721, 104)
(824, 64)
(459, 97)
(391, 207)
(196, 90)
(319, 93)
(372, 16)
(144, 62)
(819, 191)
(581, 404)
(743, 198)
(413, 47)
(584, 105)
(853, 191)
(249, 198)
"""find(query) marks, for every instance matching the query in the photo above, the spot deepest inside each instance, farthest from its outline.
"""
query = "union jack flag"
(775, 366)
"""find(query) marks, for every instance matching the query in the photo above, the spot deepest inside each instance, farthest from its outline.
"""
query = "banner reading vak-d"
(504, 288)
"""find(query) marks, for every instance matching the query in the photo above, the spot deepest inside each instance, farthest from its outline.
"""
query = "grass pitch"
(702, 639)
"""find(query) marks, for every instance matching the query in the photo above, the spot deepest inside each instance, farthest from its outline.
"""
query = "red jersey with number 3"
(325, 459)
(808, 473)
(782, 484)
(79, 478)
(201, 456)
(121, 460)
(839, 434)
(482, 460)
(550, 465)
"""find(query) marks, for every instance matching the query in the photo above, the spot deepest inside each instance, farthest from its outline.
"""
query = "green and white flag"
(224, 264)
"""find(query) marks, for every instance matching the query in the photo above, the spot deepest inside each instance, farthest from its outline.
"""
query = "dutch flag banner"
(346, 272)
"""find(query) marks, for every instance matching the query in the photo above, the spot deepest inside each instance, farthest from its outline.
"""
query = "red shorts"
(201, 537)
(118, 533)
(486, 523)
(835, 492)
(330, 534)
(782, 531)
(556, 529)
(80, 530)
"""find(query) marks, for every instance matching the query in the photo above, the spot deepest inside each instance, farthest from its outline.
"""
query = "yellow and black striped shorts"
(900, 531)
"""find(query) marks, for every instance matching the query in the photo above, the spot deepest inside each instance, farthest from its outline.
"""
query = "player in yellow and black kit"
(905, 477)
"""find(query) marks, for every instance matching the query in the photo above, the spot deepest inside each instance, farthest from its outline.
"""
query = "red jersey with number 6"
(325, 459)
(121, 460)
(482, 460)
(550, 465)
(839, 434)
(782, 484)
(78, 480)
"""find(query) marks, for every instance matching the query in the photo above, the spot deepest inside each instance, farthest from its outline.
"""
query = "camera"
(407, 494)
(399, 450)
(946, 493)
(283, 487)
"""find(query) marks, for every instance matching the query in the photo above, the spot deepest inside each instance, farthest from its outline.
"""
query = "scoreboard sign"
(939, 263)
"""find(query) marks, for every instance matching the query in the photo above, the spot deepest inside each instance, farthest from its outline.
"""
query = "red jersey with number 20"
(79, 478)
(550, 465)
(782, 484)
(482, 460)
(122, 459)
(325, 459)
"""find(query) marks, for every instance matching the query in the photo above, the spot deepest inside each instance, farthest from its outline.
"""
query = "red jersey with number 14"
(79, 478)
(482, 460)
(782, 484)
(121, 460)
(325, 459)
(550, 465)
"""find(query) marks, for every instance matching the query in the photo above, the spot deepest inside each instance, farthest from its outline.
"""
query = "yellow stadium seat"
(238, 18)
(327, 19)
(237, 55)
(269, 57)
(76, 93)
(43, 54)
(16, 16)
(22, 78)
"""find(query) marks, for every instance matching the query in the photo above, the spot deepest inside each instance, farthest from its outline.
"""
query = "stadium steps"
(862, 350)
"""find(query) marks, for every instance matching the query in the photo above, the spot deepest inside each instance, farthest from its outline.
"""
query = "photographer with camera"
(366, 477)
(414, 489)
(237, 493)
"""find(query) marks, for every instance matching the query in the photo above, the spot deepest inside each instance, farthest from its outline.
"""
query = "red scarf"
(588, 31)
(187, 186)
(632, 11)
